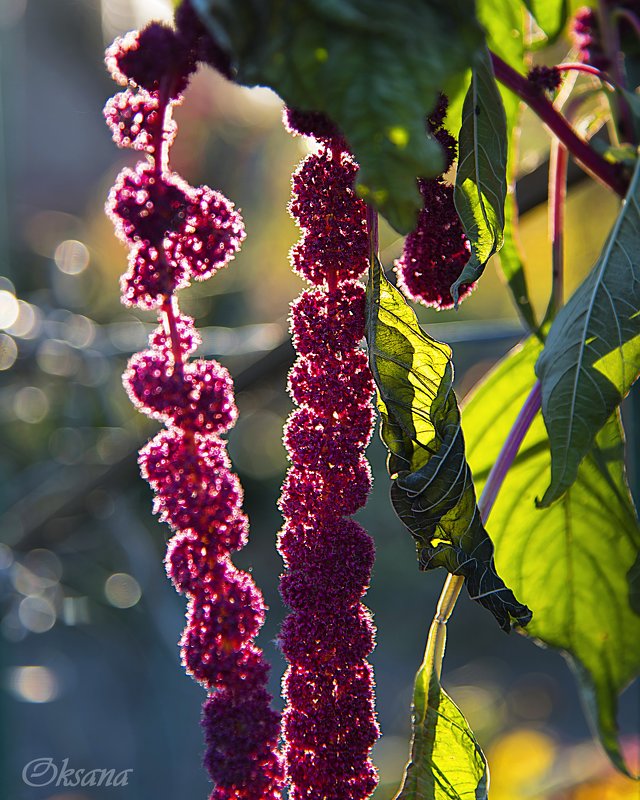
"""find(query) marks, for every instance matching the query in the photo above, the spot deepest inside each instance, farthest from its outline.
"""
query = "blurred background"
(89, 623)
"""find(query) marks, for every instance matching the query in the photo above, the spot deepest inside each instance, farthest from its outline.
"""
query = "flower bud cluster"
(177, 233)
(329, 724)
(437, 250)
(587, 38)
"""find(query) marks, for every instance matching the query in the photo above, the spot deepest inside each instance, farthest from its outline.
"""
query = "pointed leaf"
(551, 16)
(481, 177)
(375, 68)
(432, 489)
(569, 562)
(592, 353)
(446, 761)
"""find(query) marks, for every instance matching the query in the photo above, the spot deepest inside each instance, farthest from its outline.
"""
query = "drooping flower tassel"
(177, 233)
(329, 723)
(437, 250)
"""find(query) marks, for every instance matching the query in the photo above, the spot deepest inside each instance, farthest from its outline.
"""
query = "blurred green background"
(90, 666)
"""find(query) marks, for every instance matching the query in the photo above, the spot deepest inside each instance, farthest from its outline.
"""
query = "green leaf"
(568, 562)
(551, 16)
(446, 761)
(513, 268)
(503, 22)
(481, 177)
(633, 577)
(432, 489)
(375, 68)
(592, 353)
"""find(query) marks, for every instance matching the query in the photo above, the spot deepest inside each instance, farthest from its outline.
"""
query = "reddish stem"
(629, 16)
(372, 226)
(509, 451)
(578, 66)
(170, 315)
(609, 174)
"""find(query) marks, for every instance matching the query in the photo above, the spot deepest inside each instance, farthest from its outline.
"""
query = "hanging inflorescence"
(329, 723)
(437, 250)
(177, 233)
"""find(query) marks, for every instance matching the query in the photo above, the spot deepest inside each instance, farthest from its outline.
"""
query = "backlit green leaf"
(569, 562)
(446, 761)
(592, 353)
(375, 68)
(432, 489)
(551, 15)
(481, 177)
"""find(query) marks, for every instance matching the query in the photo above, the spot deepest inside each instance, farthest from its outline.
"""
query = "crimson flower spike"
(177, 233)
(329, 723)
(437, 250)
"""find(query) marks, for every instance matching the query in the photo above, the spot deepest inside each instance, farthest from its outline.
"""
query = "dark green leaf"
(375, 68)
(592, 353)
(503, 22)
(568, 562)
(432, 489)
(446, 761)
(551, 16)
(513, 268)
(481, 177)
(634, 585)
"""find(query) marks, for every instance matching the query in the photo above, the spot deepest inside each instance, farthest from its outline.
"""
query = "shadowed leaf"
(592, 353)
(503, 22)
(375, 68)
(432, 489)
(481, 176)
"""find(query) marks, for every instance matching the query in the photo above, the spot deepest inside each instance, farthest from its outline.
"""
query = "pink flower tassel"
(329, 723)
(177, 233)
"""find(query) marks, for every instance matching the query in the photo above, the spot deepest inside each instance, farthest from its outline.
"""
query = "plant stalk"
(434, 653)
(608, 174)
(558, 163)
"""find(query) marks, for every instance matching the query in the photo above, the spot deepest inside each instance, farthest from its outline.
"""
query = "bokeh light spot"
(34, 684)
(30, 404)
(122, 590)
(57, 358)
(27, 323)
(71, 257)
(8, 352)
(9, 308)
(37, 614)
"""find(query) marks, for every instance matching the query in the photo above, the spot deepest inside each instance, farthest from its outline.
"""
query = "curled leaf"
(432, 488)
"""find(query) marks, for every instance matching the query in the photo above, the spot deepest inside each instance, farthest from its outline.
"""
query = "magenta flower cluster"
(437, 250)
(177, 233)
(587, 38)
(329, 722)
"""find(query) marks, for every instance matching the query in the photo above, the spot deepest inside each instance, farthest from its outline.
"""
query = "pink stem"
(170, 313)
(608, 174)
(509, 451)
(578, 66)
